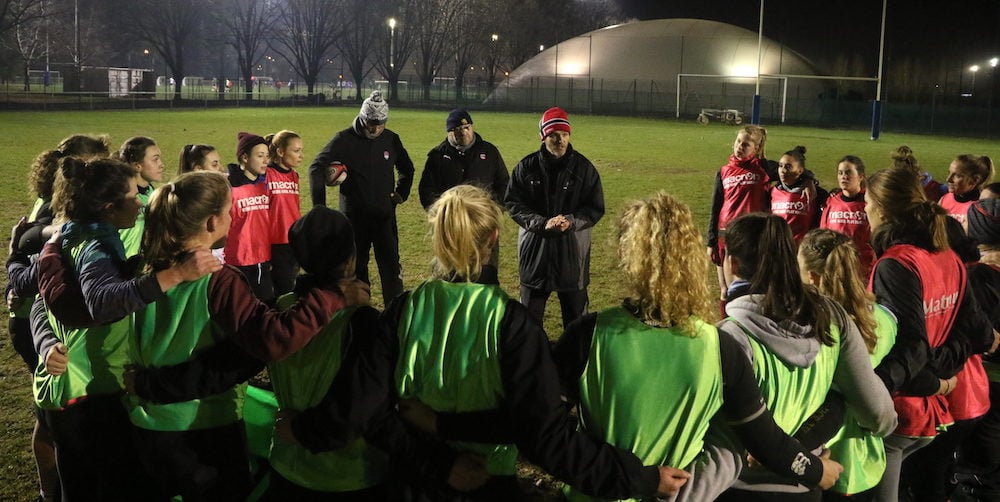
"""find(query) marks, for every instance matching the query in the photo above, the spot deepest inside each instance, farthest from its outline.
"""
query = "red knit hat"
(554, 119)
(245, 142)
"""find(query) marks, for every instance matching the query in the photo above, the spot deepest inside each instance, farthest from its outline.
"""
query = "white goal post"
(783, 78)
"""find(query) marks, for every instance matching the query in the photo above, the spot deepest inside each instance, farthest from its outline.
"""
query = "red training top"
(847, 216)
(943, 279)
(248, 242)
(744, 188)
(284, 188)
(956, 209)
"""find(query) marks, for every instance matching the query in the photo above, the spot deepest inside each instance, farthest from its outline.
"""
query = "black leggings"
(284, 268)
(207, 464)
(925, 473)
(95, 454)
(259, 277)
(20, 339)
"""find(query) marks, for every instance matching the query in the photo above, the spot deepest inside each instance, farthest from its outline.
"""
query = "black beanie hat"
(983, 220)
(321, 240)
(457, 117)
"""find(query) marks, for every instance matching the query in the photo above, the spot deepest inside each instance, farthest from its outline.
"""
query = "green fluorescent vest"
(170, 331)
(861, 453)
(449, 355)
(132, 237)
(301, 381)
(97, 356)
(24, 311)
(652, 391)
(793, 394)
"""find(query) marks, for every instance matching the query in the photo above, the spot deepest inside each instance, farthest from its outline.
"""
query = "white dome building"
(636, 67)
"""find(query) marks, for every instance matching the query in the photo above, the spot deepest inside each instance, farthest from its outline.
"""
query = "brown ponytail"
(762, 248)
(176, 213)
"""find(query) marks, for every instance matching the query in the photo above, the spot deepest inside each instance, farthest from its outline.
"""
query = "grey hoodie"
(789, 341)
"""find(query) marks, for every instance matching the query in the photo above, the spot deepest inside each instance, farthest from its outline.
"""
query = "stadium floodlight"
(993, 62)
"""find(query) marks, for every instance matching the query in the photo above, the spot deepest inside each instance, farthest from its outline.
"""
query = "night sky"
(963, 31)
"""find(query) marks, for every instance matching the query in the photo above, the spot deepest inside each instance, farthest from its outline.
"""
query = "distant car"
(726, 116)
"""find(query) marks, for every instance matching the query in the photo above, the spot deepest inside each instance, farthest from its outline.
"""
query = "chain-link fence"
(789, 101)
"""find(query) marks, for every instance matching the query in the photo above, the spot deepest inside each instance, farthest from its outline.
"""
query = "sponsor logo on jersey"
(848, 217)
(788, 207)
(741, 179)
(253, 203)
(939, 306)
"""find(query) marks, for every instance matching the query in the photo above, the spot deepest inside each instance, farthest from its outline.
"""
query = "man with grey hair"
(379, 174)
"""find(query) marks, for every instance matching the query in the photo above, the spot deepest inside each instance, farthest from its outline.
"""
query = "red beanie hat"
(245, 142)
(554, 119)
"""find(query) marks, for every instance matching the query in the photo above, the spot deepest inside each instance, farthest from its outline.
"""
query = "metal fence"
(578, 95)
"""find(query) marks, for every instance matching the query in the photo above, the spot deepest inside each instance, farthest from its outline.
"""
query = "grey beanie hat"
(374, 109)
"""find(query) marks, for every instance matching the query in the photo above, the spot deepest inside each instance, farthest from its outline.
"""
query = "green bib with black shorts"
(170, 331)
(860, 452)
(300, 382)
(649, 390)
(449, 355)
(97, 356)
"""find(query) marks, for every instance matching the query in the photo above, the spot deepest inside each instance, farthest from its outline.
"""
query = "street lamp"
(146, 53)
(974, 69)
(392, 42)
(492, 71)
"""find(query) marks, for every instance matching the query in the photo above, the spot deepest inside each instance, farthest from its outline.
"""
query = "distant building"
(636, 67)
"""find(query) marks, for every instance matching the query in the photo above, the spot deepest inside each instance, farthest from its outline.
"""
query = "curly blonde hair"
(661, 254)
(463, 222)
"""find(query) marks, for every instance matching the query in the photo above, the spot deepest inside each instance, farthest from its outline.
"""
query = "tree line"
(386, 38)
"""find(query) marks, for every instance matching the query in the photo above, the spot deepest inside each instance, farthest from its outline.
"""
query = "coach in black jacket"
(462, 158)
(372, 189)
(555, 195)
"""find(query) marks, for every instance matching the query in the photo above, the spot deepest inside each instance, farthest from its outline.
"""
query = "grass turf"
(635, 156)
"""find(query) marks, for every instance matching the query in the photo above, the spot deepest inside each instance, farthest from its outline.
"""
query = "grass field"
(635, 157)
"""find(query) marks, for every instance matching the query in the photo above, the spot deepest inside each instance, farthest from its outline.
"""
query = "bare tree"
(306, 32)
(248, 24)
(394, 46)
(465, 40)
(29, 35)
(13, 12)
(434, 22)
(358, 40)
(167, 25)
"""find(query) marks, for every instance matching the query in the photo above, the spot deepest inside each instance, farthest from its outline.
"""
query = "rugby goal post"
(782, 78)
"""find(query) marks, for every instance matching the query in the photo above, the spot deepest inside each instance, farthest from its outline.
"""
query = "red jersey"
(943, 278)
(744, 188)
(797, 206)
(956, 209)
(285, 209)
(847, 216)
(249, 241)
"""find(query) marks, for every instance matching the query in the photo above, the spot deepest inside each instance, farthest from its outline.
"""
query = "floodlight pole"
(755, 113)
(877, 105)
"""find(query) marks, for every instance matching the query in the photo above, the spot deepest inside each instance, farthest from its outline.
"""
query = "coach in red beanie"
(554, 119)
(555, 196)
